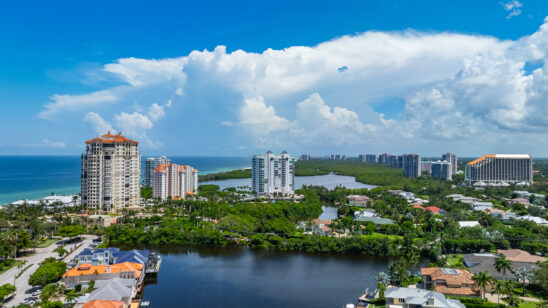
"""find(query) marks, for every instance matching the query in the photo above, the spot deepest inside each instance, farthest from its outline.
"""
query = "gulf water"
(35, 177)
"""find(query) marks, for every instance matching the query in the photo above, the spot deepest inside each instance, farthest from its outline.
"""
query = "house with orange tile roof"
(518, 255)
(321, 226)
(102, 304)
(86, 272)
(449, 281)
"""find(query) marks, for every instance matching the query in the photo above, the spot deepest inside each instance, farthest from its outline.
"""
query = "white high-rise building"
(171, 180)
(152, 163)
(451, 158)
(111, 174)
(499, 168)
(273, 174)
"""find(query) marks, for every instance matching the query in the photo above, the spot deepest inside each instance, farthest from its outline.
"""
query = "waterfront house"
(461, 198)
(102, 304)
(117, 289)
(416, 298)
(112, 255)
(479, 262)
(358, 200)
(365, 213)
(518, 255)
(85, 273)
(449, 281)
(433, 209)
(321, 227)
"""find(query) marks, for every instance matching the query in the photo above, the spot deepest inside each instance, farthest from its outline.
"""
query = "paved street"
(24, 290)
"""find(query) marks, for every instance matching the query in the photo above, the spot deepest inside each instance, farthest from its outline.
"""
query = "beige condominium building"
(500, 168)
(111, 174)
(171, 180)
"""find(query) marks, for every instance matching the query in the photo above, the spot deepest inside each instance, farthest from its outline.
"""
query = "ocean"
(35, 177)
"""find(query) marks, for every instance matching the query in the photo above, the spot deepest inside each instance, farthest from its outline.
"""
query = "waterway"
(329, 181)
(244, 277)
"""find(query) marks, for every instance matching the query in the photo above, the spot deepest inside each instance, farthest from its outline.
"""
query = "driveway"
(24, 290)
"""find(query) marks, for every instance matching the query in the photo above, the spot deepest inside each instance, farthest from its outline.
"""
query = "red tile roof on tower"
(110, 138)
(161, 168)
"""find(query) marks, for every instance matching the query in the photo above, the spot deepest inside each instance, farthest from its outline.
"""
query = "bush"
(50, 271)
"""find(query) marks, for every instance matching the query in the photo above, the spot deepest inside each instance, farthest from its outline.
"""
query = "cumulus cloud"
(454, 87)
(63, 103)
(99, 124)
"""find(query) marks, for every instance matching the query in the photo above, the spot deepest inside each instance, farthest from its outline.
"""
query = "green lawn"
(528, 305)
(454, 261)
(376, 235)
(46, 243)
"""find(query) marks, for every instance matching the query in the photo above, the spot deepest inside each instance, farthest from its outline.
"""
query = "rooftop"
(518, 255)
(110, 138)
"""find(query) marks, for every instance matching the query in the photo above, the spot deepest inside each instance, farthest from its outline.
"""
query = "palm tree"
(502, 265)
(482, 279)
(499, 289)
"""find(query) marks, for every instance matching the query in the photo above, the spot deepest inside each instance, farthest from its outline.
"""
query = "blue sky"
(422, 76)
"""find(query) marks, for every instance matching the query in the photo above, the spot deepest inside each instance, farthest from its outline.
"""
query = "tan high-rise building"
(111, 174)
(171, 180)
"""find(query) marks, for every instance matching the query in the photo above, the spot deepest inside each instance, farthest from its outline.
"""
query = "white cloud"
(513, 7)
(155, 111)
(46, 143)
(454, 87)
(63, 103)
(99, 124)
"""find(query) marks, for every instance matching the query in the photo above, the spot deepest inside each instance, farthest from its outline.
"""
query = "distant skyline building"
(273, 174)
(383, 158)
(499, 168)
(337, 157)
(171, 180)
(111, 174)
(442, 170)
(451, 158)
(411, 165)
(371, 158)
(362, 158)
(306, 157)
(426, 167)
(152, 163)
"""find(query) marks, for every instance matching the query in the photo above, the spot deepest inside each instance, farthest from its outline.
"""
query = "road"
(24, 290)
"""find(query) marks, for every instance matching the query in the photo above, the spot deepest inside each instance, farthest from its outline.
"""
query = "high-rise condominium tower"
(171, 180)
(493, 168)
(273, 174)
(442, 170)
(152, 163)
(411, 165)
(111, 174)
(452, 159)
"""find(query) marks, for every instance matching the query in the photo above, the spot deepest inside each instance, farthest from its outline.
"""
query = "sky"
(235, 78)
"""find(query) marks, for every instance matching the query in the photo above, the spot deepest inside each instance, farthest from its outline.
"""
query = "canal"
(244, 277)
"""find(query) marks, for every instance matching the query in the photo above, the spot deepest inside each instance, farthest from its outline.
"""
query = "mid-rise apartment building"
(306, 157)
(152, 163)
(452, 159)
(337, 157)
(171, 180)
(442, 170)
(411, 165)
(111, 174)
(500, 168)
(273, 174)
(371, 158)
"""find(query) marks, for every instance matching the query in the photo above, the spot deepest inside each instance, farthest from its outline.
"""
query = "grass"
(46, 243)
(455, 261)
(525, 304)
(376, 235)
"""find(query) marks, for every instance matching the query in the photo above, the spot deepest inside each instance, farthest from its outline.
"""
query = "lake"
(244, 277)
(329, 181)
